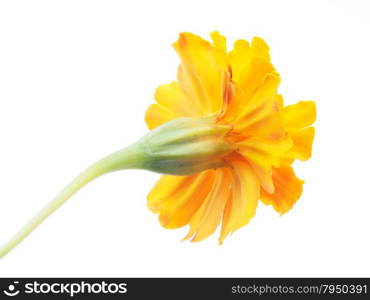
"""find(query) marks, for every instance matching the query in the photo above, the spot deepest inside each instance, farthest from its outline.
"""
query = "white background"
(75, 80)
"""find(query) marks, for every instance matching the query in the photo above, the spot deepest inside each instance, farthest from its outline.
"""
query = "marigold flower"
(222, 136)
(240, 88)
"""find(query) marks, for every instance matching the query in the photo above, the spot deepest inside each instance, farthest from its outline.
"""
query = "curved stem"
(128, 158)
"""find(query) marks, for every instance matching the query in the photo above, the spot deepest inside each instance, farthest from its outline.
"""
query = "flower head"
(238, 89)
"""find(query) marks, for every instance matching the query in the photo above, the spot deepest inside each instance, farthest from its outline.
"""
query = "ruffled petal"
(157, 115)
(171, 104)
(250, 65)
(203, 72)
(219, 42)
(302, 143)
(241, 207)
(262, 115)
(207, 218)
(262, 156)
(288, 189)
(297, 117)
(264, 176)
(300, 115)
(177, 198)
(172, 97)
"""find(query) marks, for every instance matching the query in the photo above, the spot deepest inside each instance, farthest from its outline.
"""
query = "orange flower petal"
(207, 218)
(250, 65)
(157, 115)
(302, 143)
(219, 42)
(171, 96)
(241, 207)
(288, 189)
(177, 198)
(264, 153)
(261, 116)
(297, 118)
(172, 104)
(202, 72)
(262, 156)
(300, 115)
(264, 176)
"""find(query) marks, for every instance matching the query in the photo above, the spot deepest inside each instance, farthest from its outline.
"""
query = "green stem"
(127, 158)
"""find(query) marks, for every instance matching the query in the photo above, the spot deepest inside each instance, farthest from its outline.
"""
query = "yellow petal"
(157, 115)
(297, 118)
(166, 187)
(172, 97)
(172, 104)
(264, 176)
(250, 65)
(207, 218)
(300, 115)
(261, 115)
(239, 59)
(219, 42)
(263, 96)
(241, 207)
(260, 49)
(202, 72)
(263, 155)
(302, 143)
(246, 59)
(288, 189)
(177, 198)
